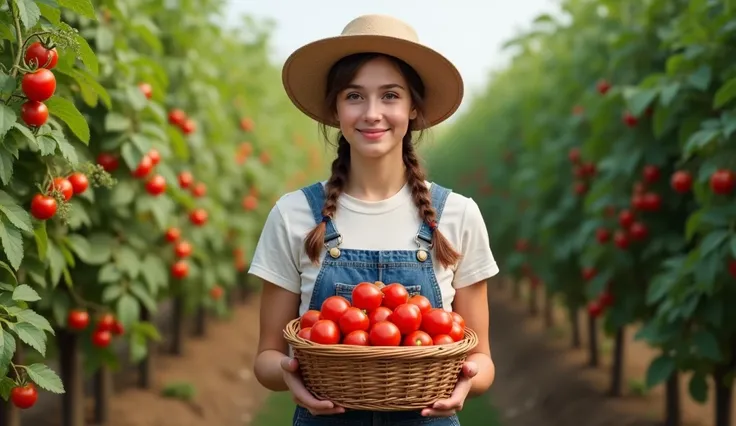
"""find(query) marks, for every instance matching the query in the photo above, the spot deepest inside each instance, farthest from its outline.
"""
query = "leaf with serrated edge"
(7, 119)
(6, 385)
(31, 336)
(25, 293)
(8, 348)
(15, 213)
(29, 12)
(45, 378)
(68, 113)
(12, 242)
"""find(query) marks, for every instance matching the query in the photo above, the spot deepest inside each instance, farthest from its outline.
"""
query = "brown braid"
(339, 77)
(443, 250)
(335, 185)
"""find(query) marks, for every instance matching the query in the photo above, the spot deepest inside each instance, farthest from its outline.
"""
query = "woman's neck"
(376, 179)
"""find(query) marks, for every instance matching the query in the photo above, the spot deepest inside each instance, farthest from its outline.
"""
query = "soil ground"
(540, 380)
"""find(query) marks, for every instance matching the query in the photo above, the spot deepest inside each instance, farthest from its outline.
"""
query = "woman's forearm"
(268, 370)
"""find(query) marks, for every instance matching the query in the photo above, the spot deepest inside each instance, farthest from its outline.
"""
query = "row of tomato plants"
(141, 146)
(603, 160)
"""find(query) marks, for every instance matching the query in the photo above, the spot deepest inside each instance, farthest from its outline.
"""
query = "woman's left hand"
(453, 404)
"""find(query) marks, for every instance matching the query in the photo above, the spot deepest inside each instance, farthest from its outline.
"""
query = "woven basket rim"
(451, 350)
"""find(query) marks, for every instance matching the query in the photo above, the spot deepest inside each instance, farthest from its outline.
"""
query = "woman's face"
(375, 109)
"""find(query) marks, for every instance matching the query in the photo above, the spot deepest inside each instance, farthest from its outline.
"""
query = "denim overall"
(342, 269)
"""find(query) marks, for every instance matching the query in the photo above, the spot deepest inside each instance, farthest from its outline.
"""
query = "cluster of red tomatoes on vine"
(106, 327)
(381, 315)
(38, 83)
(44, 205)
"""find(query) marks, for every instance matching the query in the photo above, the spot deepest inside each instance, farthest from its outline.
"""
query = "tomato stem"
(18, 380)
(18, 35)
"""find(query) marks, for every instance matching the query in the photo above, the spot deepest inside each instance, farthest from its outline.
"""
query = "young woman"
(376, 218)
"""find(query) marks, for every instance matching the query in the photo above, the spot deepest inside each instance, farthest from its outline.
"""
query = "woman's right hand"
(301, 395)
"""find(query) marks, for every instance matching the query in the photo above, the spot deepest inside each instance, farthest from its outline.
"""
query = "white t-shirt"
(390, 224)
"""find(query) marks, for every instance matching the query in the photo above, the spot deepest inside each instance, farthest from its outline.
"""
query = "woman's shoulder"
(456, 203)
(294, 207)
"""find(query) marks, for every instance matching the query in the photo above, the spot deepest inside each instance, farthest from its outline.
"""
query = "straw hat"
(305, 72)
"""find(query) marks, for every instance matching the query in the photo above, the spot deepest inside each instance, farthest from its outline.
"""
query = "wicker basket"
(377, 378)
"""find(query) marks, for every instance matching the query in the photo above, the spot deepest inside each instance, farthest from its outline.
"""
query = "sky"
(469, 32)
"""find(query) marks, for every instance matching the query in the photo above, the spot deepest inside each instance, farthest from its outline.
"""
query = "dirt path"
(542, 381)
(219, 366)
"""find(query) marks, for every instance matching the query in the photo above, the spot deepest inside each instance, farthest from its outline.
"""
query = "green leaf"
(7, 84)
(668, 93)
(31, 317)
(28, 11)
(32, 336)
(725, 93)
(94, 250)
(128, 310)
(109, 273)
(112, 292)
(6, 385)
(66, 149)
(46, 144)
(42, 239)
(660, 370)
(698, 387)
(707, 345)
(15, 213)
(640, 100)
(6, 164)
(65, 110)
(141, 293)
(12, 242)
(9, 274)
(7, 348)
(45, 378)
(701, 78)
(81, 7)
(89, 59)
(7, 119)
(712, 241)
(116, 122)
(50, 12)
(25, 293)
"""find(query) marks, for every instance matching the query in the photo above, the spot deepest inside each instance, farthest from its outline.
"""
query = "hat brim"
(304, 74)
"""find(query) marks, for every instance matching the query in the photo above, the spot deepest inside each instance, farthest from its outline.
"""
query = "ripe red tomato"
(457, 332)
(381, 313)
(64, 186)
(722, 182)
(146, 89)
(638, 231)
(603, 86)
(421, 301)
(250, 203)
(407, 317)
(177, 117)
(106, 322)
(367, 296)
(595, 309)
(24, 396)
(681, 181)
(34, 113)
(574, 155)
(309, 318)
(43, 207)
(354, 319)
(437, 321)
(385, 333)
(180, 269)
(108, 161)
(442, 339)
(651, 173)
(333, 308)
(77, 320)
(101, 338)
(621, 239)
(216, 292)
(188, 126)
(357, 338)
(185, 179)
(79, 182)
(155, 156)
(156, 185)
(173, 234)
(117, 328)
(418, 338)
(458, 318)
(606, 299)
(630, 120)
(40, 57)
(183, 249)
(199, 190)
(246, 124)
(588, 274)
(144, 167)
(39, 85)
(198, 217)
(651, 201)
(580, 188)
(602, 235)
(394, 295)
(625, 218)
(305, 333)
(325, 332)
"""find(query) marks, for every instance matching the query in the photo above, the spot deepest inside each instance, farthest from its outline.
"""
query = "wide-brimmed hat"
(305, 72)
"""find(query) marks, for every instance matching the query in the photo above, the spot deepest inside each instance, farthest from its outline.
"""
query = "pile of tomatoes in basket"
(381, 315)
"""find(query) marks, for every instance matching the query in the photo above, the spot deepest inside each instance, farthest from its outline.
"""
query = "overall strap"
(439, 196)
(315, 194)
